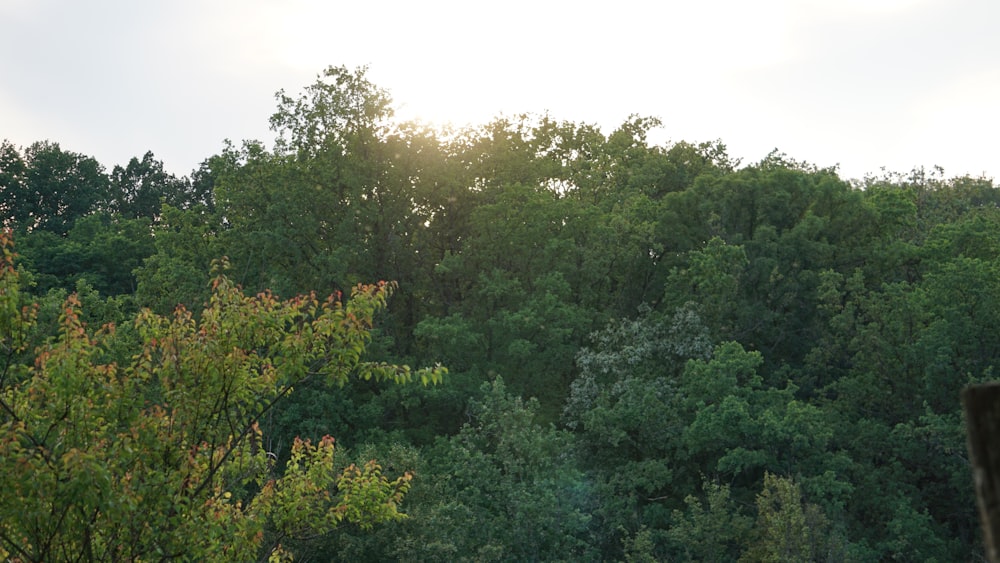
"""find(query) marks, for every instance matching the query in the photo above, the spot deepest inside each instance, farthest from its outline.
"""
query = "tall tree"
(139, 188)
(13, 179)
(54, 189)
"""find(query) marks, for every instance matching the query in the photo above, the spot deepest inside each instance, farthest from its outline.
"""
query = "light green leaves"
(164, 456)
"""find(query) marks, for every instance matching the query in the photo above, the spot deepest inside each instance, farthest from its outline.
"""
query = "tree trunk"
(982, 414)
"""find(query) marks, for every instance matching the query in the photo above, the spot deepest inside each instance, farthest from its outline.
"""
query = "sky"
(864, 85)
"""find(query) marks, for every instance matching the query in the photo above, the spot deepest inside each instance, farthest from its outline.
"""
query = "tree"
(505, 488)
(710, 531)
(164, 457)
(790, 529)
(55, 189)
(627, 412)
(711, 279)
(334, 202)
(186, 242)
(142, 186)
(13, 176)
(100, 248)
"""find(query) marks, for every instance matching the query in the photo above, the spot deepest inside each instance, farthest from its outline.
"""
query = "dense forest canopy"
(654, 352)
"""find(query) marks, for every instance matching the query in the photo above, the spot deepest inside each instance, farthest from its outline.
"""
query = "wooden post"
(982, 419)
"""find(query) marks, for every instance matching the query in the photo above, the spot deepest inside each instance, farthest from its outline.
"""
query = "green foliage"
(17, 316)
(163, 456)
(714, 530)
(505, 488)
(186, 244)
(142, 186)
(101, 249)
(702, 327)
(789, 529)
(48, 188)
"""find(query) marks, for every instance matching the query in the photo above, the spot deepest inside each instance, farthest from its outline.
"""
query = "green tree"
(714, 530)
(139, 188)
(53, 189)
(164, 457)
(505, 488)
(101, 248)
(626, 410)
(712, 280)
(335, 201)
(13, 179)
(186, 242)
(788, 529)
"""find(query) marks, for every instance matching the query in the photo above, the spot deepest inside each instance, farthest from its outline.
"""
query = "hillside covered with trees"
(651, 352)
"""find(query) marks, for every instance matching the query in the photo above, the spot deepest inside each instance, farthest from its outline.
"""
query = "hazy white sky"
(864, 84)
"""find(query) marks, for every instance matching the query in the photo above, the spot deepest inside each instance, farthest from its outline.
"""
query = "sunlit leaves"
(327, 116)
(790, 529)
(16, 315)
(164, 456)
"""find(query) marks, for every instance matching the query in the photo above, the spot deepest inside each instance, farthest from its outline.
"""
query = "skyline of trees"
(653, 352)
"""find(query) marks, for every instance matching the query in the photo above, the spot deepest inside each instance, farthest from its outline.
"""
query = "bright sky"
(864, 84)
